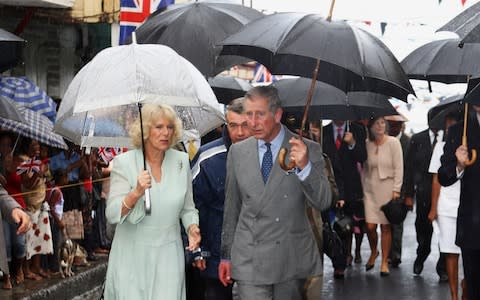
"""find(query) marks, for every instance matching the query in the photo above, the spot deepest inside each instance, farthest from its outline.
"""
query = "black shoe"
(338, 274)
(385, 273)
(443, 277)
(396, 262)
(417, 267)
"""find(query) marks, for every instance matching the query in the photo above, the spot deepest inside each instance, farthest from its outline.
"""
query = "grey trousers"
(289, 290)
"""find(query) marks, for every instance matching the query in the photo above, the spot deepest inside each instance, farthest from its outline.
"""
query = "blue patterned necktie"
(267, 163)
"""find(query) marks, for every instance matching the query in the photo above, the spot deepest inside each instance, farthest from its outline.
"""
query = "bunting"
(134, 12)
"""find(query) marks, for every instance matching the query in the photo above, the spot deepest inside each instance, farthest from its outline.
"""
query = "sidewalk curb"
(70, 287)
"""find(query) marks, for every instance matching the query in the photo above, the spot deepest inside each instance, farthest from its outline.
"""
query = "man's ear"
(278, 115)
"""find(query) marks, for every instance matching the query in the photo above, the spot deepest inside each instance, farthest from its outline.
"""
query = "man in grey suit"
(267, 243)
(11, 212)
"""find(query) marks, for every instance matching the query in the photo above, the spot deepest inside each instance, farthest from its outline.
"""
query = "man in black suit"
(344, 144)
(454, 167)
(417, 182)
(396, 128)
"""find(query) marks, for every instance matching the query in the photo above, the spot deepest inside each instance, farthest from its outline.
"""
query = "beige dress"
(382, 175)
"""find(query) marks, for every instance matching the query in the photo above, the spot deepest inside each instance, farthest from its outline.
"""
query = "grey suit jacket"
(266, 233)
(7, 204)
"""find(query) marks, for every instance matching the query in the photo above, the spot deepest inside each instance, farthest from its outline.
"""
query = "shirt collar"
(276, 143)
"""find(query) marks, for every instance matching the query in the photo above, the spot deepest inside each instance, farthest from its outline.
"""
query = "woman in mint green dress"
(147, 256)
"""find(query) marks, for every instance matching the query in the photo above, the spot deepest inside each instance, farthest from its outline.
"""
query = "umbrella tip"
(134, 38)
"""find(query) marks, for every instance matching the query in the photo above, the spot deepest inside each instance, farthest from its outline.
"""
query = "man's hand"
(462, 157)
(224, 272)
(408, 203)
(22, 220)
(348, 138)
(298, 153)
(201, 264)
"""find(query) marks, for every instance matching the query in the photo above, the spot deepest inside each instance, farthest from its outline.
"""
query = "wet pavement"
(402, 284)
(357, 284)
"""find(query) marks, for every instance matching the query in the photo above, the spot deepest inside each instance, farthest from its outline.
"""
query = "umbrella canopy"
(9, 110)
(331, 103)
(443, 61)
(37, 127)
(351, 59)
(101, 99)
(466, 25)
(24, 92)
(11, 49)
(227, 88)
(473, 91)
(194, 30)
(437, 114)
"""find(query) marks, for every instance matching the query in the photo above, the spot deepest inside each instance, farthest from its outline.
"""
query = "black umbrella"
(351, 59)
(10, 49)
(227, 88)
(328, 102)
(437, 114)
(193, 30)
(466, 25)
(443, 61)
(472, 95)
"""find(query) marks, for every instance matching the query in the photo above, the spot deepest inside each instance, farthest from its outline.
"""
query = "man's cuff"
(303, 174)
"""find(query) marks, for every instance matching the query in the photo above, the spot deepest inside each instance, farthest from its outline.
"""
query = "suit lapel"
(275, 178)
(253, 164)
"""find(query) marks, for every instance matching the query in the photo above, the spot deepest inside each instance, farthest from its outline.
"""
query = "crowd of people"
(46, 182)
(231, 218)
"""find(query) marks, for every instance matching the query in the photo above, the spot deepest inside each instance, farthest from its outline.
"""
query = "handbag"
(343, 223)
(73, 222)
(395, 211)
(332, 244)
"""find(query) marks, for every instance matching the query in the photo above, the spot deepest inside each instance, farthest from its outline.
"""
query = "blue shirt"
(59, 161)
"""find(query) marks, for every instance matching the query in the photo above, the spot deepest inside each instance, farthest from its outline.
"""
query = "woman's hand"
(432, 215)
(144, 181)
(194, 237)
(395, 195)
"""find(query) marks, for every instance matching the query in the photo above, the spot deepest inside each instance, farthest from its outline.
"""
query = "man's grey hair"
(268, 92)
(236, 106)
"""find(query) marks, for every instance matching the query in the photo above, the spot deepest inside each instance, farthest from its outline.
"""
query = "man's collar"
(277, 141)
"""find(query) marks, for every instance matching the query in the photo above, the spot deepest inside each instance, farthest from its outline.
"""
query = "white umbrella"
(106, 90)
(102, 98)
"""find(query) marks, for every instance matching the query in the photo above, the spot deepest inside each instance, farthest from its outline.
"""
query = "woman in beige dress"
(382, 181)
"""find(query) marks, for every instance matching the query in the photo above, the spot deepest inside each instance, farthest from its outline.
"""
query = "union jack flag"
(261, 74)
(108, 153)
(28, 166)
(134, 12)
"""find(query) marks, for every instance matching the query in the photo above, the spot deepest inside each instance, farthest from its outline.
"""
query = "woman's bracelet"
(126, 206)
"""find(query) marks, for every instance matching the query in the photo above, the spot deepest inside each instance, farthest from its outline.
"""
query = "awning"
(39, 3)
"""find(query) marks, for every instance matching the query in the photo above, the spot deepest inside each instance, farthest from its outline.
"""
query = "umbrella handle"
(148, 203)
(282, 156)
(473, 158)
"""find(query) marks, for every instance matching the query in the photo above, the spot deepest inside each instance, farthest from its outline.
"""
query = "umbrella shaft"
(309, 97)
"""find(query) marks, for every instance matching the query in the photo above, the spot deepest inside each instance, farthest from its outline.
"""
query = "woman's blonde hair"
(150, 114)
